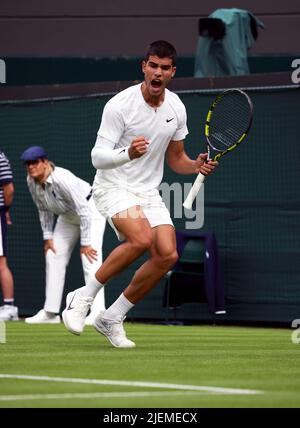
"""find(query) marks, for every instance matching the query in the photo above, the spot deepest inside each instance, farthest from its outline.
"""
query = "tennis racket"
(227, 123)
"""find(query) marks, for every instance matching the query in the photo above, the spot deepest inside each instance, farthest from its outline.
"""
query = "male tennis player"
(139, 126)
(58, 192)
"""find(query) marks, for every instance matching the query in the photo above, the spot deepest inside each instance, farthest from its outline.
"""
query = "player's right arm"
(138, 147)
(105, 156)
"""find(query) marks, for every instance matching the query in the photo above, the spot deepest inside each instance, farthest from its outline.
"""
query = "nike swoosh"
(121, 151)
(70, 307)
(169, 120)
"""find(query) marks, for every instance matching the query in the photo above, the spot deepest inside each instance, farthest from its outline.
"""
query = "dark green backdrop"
(52, 70)
(252, 202)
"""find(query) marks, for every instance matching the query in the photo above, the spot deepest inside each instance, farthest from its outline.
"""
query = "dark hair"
(162, 49)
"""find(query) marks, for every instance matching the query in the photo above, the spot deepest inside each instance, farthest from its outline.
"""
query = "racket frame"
(200, 178)
(208, 121)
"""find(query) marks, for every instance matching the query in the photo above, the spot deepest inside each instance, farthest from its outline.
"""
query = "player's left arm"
(180, 162)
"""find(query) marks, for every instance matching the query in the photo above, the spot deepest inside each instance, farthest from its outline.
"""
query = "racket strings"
(218, 136)
(230, 119)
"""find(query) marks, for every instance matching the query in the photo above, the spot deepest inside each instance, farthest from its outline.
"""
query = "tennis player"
(58, 192)
(139, 126)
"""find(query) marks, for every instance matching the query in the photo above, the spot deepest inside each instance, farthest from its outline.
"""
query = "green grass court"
(176, 367)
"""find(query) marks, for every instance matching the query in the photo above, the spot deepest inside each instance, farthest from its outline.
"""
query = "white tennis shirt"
(127, 116)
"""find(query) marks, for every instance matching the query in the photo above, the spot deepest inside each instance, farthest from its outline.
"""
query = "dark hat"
(33, 153)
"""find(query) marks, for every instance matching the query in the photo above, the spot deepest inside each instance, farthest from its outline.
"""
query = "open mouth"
(156, 83)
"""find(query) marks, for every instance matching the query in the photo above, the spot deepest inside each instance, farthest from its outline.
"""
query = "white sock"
(91, 288)
(118, 309)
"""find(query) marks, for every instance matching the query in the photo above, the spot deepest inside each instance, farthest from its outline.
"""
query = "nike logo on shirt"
(121, 151)
(169, 120)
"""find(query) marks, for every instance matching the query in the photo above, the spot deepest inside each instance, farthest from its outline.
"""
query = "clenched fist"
(138, 147)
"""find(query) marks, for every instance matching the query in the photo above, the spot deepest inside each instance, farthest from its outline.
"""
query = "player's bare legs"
(140, 237)
(137, 231)
(163, 257)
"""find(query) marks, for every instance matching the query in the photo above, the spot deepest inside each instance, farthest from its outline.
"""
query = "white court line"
(211, 389)
(97, 395)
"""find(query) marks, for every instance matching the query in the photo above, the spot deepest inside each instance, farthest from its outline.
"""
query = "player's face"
(157, 74)
(36, 169)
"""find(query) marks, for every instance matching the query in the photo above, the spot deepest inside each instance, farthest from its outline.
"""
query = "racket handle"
(194, 191)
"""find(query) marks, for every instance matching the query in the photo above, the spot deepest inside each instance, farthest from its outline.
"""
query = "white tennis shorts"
(113, 201)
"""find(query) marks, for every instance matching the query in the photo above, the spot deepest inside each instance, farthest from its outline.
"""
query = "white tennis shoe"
(9, 313)
(114, 331)
(76, 311)
(43, 317)
(98, 307)
(90, 319)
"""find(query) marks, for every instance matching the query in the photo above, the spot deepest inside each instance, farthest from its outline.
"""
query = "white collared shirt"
(62, 194)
